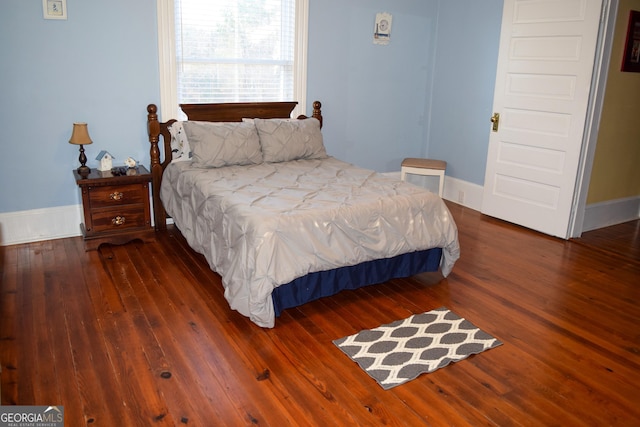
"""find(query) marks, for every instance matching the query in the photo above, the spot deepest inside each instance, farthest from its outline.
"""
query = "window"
(231, 51)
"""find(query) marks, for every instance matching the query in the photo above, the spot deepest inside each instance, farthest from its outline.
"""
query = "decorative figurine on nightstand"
(131, 164)
(106, 161)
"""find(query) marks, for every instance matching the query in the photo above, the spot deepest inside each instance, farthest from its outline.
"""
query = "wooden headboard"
(223, 112)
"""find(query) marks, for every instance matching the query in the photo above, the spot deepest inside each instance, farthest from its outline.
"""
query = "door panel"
(546, 58)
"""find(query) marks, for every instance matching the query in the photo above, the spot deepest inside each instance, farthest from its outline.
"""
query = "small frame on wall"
(382, 29)
(54, 9)
(631, 59)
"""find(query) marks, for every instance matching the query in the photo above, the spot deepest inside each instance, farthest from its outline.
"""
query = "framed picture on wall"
(631, 59)
(54, 9)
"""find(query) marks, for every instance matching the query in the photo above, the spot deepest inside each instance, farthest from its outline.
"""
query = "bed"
(279, 219)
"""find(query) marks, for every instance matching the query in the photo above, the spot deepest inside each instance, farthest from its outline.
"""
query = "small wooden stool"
(428, 167)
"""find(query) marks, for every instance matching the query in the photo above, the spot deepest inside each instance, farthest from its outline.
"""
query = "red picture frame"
(631, 58)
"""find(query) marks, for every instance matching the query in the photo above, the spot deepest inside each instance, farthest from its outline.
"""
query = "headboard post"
(153, 127)
(317, 111)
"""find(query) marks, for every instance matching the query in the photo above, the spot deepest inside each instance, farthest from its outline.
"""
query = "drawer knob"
(118, 220)
(117, 195)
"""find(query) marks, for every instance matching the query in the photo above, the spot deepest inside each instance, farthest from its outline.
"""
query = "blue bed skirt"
(325, 283)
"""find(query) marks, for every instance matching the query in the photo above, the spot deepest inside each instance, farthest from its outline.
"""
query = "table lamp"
(80, 136)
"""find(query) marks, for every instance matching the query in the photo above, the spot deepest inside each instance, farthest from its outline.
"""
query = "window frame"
(167, 59)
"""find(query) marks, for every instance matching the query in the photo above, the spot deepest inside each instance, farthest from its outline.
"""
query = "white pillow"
(180, 149)
(283, 140)
(217, 144)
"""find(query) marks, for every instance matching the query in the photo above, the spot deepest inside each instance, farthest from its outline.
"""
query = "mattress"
(262, 226)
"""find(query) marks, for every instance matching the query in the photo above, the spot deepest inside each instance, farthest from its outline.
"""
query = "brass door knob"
(495, 119)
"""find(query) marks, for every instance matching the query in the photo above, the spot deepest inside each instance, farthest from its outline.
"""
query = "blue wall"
(99, 66)
(417, 96)
(373, 96)
(463, 82)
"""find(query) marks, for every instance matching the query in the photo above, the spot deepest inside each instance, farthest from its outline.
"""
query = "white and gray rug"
(400, 351)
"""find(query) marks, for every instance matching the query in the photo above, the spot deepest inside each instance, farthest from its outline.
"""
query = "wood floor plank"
(622, 239)
(140, 334)
(549, 345)
(132, 346)
(172, 359)
(27, 275)
(544, 333)
(224, 367)
(40, 345)
(8, 325)
(185, 332)
(93, 365)
(57, 334)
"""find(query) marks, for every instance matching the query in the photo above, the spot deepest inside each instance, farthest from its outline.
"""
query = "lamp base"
(84, 170)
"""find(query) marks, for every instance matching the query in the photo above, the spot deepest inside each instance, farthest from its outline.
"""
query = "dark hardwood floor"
(141, 334)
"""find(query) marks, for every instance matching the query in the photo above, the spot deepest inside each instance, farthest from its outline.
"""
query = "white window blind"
(235, 50)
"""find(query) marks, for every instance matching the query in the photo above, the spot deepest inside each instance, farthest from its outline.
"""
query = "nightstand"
(116, 207)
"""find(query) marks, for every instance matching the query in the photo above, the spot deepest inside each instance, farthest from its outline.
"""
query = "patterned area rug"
(402, 350)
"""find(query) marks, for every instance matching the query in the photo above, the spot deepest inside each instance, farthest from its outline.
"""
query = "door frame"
(594, 113)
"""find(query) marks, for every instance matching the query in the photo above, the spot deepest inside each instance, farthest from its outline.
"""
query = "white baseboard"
(611, 212)
(40, 224)
(461, 192)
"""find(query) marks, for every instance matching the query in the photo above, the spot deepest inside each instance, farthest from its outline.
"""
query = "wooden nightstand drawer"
(118, 219)
(101, 197)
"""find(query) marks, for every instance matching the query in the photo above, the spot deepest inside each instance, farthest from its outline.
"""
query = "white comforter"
(264, 225)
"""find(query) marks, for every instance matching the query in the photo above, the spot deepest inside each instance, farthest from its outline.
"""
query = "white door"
(546, 58)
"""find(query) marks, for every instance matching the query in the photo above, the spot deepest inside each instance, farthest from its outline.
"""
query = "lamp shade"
(80, 134)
